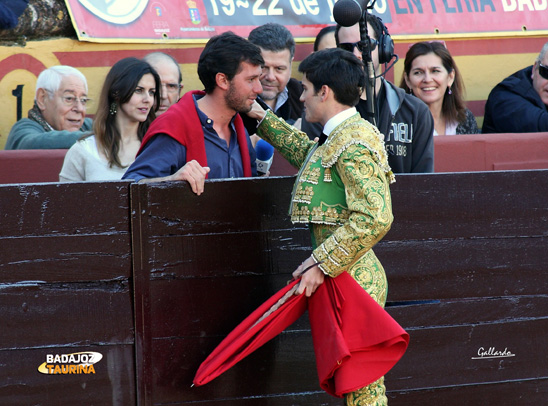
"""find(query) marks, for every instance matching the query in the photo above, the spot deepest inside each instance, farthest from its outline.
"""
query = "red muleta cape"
(181, 122)
(355, 340)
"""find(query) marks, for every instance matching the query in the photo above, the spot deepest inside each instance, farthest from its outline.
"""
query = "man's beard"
(235, 102)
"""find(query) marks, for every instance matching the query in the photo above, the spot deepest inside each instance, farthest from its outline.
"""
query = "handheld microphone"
(265, 154)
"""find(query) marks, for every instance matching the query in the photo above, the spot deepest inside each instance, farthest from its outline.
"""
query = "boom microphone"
(265, 154)
(347, 12)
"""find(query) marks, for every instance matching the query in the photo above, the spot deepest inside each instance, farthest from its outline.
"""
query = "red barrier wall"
(472, 153)
(455, 153)
(491, 152)
(31, 165)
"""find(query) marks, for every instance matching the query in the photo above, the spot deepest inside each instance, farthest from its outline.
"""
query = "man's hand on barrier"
(194, 174)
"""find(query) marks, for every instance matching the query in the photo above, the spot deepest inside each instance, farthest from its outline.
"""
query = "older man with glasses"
(58, 118)
(519, 104)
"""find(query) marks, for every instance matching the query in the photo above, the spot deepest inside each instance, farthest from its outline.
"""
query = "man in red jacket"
(203, 134)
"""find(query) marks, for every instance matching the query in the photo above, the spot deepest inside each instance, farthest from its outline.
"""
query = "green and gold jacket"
(342, 188)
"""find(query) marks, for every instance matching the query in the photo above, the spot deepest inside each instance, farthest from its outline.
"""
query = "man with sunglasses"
(404, 120)
(519, 104)
(57, 119)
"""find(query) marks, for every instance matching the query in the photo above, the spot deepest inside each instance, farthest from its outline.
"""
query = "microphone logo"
(265, 155)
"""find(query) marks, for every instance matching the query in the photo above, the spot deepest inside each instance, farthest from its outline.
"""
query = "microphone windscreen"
(264, 150)
(347, 12)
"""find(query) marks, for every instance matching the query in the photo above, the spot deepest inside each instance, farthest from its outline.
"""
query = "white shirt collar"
(337, 119)
(282, 98)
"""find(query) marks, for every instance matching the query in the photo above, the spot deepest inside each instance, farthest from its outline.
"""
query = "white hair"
(158, 58)
(50, 79)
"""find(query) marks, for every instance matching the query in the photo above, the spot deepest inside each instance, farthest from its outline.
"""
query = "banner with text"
(184, 20)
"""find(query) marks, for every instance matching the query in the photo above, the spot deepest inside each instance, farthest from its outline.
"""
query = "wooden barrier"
(65, 273)
(153, 277)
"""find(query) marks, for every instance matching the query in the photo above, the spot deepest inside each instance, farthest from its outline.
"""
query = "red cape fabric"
(182, 123)
(355, 340)
(252, 333)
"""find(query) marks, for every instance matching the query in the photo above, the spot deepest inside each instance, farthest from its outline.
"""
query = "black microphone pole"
(347, 13)
(369, 68)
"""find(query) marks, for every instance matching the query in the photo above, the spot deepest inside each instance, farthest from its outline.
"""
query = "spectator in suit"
(281, 93)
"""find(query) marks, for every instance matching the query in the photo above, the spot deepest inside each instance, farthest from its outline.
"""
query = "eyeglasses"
(349, 46)
(172, 87)
(73, 100)
(69, 100)
(543, 71)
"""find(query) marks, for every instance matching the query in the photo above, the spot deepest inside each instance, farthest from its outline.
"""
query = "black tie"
(322, 139)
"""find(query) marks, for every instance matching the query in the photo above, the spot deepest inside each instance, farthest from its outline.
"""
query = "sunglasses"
(349, 46)
(543, 71)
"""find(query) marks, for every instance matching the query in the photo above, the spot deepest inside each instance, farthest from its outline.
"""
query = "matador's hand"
(257, 112)
(310, 279)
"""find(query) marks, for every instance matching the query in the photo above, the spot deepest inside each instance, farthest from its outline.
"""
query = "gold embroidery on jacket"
(350, 214)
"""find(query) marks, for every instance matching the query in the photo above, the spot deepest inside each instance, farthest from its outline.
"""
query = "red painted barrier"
(455, 153)
(490, 152)
(473, 153)
(31, 165)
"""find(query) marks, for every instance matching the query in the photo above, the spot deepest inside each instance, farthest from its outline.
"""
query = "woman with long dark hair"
(127, 105)
(430, 73)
